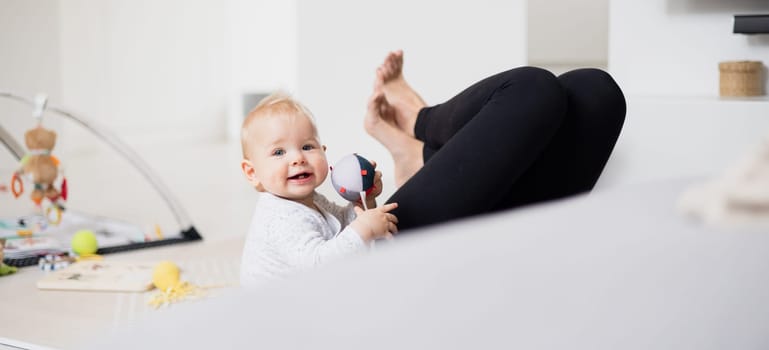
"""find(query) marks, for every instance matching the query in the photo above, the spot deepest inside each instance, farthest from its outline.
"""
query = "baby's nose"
(299, 160)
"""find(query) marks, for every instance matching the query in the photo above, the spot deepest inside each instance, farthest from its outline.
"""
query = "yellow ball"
(165, 275)
(84, 242)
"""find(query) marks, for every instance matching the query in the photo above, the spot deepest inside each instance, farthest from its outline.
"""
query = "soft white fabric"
(737, 197)
(286, 236)
(615, 269)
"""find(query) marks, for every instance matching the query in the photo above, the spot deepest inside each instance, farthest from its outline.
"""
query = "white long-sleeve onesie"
(286, 236)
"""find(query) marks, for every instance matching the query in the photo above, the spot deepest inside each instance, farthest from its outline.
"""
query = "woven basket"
(741, 78)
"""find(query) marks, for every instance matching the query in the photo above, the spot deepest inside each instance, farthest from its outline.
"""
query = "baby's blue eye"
(307, 147)
(278, 152)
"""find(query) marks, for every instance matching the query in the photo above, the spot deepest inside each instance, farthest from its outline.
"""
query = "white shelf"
(684, 99)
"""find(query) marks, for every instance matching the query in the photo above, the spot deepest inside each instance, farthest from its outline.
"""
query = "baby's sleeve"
(283, 239)
(310, 248)
(345, 214)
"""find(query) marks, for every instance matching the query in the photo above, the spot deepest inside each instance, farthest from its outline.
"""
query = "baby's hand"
(375, 223)
(377, 185)
(377, 182)
(376, 190)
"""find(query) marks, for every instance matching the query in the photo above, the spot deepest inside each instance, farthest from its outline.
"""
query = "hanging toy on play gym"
(39, 166)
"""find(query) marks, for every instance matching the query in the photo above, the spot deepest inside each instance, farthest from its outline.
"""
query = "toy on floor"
(27, 225)
(39, 165)
(5, 269)
(165, 277)
(53, 262)
(84, 243)
(353, 177)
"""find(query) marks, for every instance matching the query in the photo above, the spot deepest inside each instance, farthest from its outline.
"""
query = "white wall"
(448, 45)
(672, 47)
(568, 32)
(177, 70)
(148, 70)
(664, 54)
(29, 60)
(263, 59)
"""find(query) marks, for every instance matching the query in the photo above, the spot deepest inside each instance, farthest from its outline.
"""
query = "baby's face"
(286, 157)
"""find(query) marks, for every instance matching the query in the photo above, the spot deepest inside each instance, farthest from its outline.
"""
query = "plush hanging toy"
(41, 167)
(353, 177)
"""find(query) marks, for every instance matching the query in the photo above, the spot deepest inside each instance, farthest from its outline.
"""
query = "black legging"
(519, 137)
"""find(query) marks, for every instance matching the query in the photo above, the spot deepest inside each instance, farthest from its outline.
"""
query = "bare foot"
(405, 150)
(405, 102)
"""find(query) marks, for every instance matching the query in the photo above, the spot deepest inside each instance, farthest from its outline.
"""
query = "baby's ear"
(250, 173)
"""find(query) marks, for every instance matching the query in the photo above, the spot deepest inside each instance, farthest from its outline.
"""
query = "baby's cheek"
(322, 172)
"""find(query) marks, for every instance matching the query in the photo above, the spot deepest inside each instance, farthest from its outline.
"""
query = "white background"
(174, 72)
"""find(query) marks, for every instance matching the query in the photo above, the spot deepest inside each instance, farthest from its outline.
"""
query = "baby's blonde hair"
(276, 104)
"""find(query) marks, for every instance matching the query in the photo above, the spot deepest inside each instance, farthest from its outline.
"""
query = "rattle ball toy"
(165, 275)
(352, 175)
(84, 243)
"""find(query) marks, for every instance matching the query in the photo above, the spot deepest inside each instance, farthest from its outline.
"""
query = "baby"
(294, 227)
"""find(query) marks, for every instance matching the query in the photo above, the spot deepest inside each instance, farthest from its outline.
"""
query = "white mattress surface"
(617, 269)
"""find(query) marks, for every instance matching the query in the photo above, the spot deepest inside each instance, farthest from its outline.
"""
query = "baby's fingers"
(392, 218)
(387, 207)
(392, 228)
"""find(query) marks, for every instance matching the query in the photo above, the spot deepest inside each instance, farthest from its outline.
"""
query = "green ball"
(84, 242)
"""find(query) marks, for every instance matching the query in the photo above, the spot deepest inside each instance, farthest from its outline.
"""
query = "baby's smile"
(300, 178)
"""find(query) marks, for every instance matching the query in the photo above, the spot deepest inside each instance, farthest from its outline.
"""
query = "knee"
(536, 89)
(596, 82)
(539, 82)
(530, 76)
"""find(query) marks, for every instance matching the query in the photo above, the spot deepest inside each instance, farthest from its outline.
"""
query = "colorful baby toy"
(353, 177)
(40, 166)
(171, 289)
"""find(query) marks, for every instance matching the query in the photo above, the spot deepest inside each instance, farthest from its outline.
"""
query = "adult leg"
(487, 137)
(576, 155)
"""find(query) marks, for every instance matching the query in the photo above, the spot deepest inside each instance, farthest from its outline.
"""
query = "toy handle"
(363, 200)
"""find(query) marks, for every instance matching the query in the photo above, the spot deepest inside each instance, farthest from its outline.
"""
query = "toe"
(379, 79)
